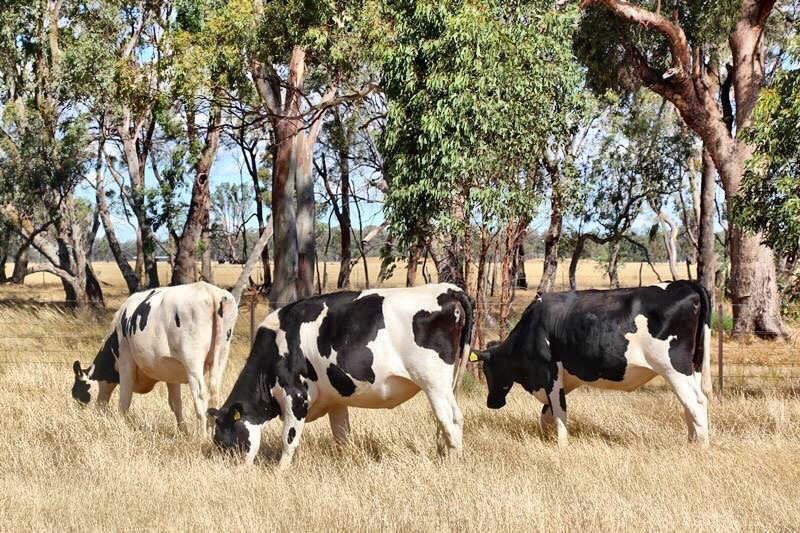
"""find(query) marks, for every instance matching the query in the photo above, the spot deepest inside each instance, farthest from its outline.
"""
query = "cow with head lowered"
(614, 339)
(170, 334)
(372, 349)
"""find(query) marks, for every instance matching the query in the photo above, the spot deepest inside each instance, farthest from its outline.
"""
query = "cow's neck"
(105, 362)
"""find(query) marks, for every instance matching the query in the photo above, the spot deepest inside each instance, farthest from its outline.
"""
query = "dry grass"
(627, 467)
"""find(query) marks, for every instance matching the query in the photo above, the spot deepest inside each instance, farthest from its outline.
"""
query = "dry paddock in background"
(628, 465)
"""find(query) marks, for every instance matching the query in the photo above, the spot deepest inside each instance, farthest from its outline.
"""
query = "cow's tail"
(702, 352)
(466, 338)
(223, 320)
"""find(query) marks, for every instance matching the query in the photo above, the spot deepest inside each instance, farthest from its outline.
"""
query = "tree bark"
(577, 252)
(184, 268)
(20, 265)
(131, 280)
(205, 237)
(413, 262)
(284, 286)
(706, 257)
(613, 265)
(513, 236)
(553, 236)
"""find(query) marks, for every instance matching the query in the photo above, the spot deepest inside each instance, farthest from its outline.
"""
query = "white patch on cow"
(547, 341)
(662, 286)
(254, 439)
(280, 340)
(641, 344)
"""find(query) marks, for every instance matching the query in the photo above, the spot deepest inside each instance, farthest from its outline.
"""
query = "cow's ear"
(481, 355)
(76, 367)
(213, 412)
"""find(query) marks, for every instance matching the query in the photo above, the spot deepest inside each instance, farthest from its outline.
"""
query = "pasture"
(627, 466)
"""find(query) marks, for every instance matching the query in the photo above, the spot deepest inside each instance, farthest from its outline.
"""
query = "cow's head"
(238, 427)
(84, 389)
(498, 372)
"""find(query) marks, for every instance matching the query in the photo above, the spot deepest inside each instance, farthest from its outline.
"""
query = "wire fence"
(35, 331)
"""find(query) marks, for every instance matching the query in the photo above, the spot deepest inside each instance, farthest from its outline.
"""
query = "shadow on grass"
(520, 427)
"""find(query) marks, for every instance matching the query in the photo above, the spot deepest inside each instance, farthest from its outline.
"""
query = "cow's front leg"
(546, 418)
(126, 378)
(294, 408)
(557, 402)
(340, 423)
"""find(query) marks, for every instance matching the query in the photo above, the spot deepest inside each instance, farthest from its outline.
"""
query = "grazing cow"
(373, 349)
(617, 339)
(172, 334)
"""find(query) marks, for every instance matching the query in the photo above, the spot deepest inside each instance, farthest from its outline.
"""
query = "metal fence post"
(253, 318)
(720, 335)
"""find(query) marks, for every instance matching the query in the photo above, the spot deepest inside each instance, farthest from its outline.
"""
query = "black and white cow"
(372, 349)
(615, 339)
(171, 334)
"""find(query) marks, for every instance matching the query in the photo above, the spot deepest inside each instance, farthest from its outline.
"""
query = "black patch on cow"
(439, 330)
(138, 318)
(340, 381)
(105, 362)
(219, 311)
(80, 391)
(177, 320)
(562, 399)
(310, 373)
(348, 327)
(290, 437)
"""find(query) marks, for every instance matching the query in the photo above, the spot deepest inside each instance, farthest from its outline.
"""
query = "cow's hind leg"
(199, 391)
(340, 423)
(450, 421)
(546, 418)
(695, 404)
(174, 395)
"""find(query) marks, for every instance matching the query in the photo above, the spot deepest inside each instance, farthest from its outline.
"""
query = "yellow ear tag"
(473, 357)
(236, 415)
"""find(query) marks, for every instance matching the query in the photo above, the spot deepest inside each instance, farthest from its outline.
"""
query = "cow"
(172, 334)
(613, 339)
(372, 349)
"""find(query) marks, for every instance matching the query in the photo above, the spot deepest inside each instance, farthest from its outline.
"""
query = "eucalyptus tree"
(677, 49)
(475, 95)
(44, 140)
(304, 57)
(769, 204)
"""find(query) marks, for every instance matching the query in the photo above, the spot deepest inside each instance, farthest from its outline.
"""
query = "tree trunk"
(131, 280)
(20, 265)
(306, 218)
(284, 286)
(613, 264)
(6, 238)
(577, 252)
(205, 236)
(706, 257)
(413, 262)
(670, 241)
(138, 267)
(552, 238)
(197, 219)
(344, 221)
(514, 234)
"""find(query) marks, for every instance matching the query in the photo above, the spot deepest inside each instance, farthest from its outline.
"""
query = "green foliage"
(606, 44)
(769, 201)
(475, 91)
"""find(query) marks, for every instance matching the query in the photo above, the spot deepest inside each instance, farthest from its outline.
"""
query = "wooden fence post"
(720, 335)
(253, 318)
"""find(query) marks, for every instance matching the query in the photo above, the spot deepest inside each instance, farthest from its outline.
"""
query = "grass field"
(627, 467)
